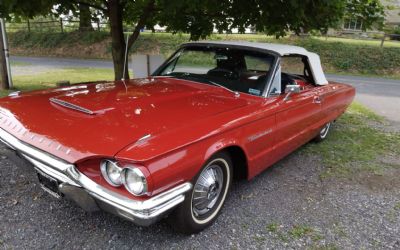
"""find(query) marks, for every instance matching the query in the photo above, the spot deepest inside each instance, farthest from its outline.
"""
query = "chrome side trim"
(71, 106)
(142, 208)
(33, 153)
(50, 171)
(140, 212)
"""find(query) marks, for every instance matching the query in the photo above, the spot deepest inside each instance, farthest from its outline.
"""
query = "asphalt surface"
(379, 94)
(286, 207)
(54, 62)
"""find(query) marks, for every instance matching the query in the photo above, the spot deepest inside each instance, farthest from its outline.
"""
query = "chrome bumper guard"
(142, 213)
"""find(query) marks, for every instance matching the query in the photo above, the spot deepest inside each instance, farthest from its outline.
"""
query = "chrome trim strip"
(70, 106)
(140, 212)
(50, 171)
(34, 153)
(145, 207)
(267, 89)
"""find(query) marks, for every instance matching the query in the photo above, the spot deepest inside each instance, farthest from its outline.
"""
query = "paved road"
(54, 62)
(379, 94)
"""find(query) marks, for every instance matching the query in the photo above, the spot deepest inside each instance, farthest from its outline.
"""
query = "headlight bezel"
(139, 174)
(106, 175)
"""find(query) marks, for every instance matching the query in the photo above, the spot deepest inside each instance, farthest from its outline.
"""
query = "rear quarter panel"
(336, 97)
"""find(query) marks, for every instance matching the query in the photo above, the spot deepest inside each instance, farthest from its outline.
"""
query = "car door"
(295, 121)
(297, 117)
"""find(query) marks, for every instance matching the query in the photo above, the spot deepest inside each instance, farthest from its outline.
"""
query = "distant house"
(392, 17)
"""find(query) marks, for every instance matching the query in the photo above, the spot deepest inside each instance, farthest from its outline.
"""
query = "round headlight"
(111, 172)
(134, 181)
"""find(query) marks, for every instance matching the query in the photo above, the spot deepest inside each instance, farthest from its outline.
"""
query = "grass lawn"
(19, 64)
(271, 39)
(371, 42)
(50, 78)
(357, 143)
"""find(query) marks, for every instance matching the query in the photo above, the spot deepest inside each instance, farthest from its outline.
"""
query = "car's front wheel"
(203, 204)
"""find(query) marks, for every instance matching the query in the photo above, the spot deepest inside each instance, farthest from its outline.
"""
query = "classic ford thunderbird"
(169, 145)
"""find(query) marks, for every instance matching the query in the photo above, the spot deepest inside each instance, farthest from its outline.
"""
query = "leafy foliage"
(370, 12)
(199, 17)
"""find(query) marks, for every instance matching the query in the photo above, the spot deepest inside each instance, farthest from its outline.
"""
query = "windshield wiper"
(236, 93)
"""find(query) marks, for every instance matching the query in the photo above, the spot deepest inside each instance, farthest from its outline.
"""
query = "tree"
(85, 18)
(200, 17)
(370, 12)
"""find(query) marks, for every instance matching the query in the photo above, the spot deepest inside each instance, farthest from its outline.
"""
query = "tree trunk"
(117, 39)
(3, 67)
(85, 18)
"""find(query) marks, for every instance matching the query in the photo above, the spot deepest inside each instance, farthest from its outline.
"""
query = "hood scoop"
(71, 106)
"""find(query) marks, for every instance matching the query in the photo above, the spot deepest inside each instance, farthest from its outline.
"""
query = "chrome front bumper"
(88, 194)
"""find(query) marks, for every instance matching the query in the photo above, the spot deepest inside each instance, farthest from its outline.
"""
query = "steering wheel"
(224, 73)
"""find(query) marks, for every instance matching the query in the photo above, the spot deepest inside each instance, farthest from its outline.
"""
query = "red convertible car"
(170, 144)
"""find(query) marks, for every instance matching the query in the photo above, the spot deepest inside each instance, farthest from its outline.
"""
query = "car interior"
(240, 70)
(238, 74)
(295, 70)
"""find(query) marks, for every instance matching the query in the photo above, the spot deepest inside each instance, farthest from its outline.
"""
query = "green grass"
(54, 40)
(273, 227)
(19, 64)
(355, 144)
(300, 231)
(50, 78)
(372, 42)
(295, 232)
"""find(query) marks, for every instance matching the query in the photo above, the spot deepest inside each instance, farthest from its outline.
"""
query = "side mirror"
(291, 89)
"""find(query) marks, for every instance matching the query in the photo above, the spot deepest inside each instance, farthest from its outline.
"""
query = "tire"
(198, 212)
(323, 133)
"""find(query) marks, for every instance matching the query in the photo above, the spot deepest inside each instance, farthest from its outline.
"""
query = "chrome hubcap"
(324, 130)
(207, 190)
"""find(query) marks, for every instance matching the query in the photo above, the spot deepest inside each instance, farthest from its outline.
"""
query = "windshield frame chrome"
(271, 73)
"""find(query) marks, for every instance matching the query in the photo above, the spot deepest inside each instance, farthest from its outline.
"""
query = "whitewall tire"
(204, 202)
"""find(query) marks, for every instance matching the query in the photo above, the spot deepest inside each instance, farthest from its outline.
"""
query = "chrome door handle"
(317, 100)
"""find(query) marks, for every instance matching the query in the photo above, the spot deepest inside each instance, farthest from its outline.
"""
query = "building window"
(353, 24)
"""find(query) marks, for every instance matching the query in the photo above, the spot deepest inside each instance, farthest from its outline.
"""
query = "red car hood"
(84, 121)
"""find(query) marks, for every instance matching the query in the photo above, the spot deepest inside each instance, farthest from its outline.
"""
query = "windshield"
(239, 70)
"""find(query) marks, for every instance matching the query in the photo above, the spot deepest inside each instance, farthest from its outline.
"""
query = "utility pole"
(5, 70)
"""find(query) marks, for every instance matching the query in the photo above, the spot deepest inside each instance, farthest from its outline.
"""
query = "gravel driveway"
(287, 206)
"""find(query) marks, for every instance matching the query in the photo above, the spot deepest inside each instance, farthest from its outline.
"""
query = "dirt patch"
(387, 181)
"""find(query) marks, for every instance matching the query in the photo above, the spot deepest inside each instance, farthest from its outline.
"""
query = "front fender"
(183, 164)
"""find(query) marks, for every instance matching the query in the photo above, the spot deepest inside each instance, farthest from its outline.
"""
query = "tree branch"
(94, 6)
(147, 12)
